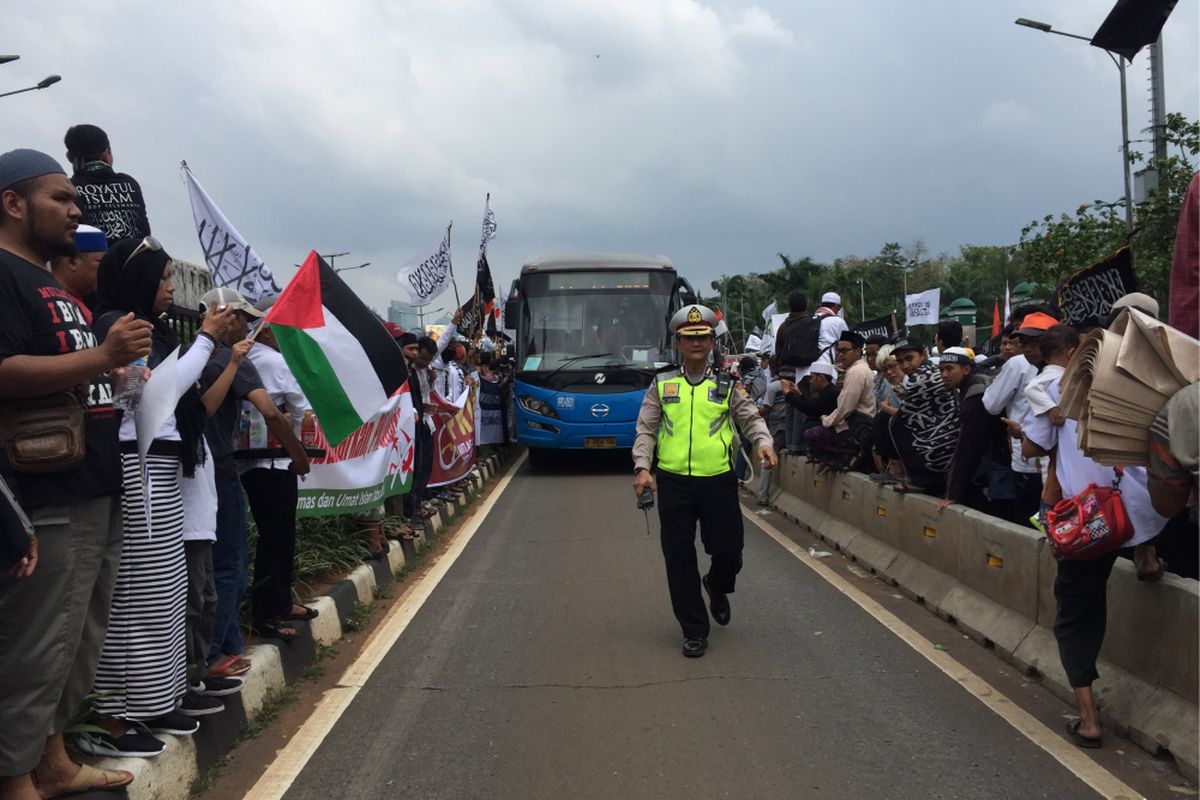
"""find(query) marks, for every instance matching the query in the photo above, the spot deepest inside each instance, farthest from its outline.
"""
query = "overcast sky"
(715, 133)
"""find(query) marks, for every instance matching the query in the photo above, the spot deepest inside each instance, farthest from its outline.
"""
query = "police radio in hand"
(646, 499)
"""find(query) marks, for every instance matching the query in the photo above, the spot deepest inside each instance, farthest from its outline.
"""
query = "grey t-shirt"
(220, 428)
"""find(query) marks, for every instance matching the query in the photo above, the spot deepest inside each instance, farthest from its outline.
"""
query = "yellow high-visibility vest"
(695, 436)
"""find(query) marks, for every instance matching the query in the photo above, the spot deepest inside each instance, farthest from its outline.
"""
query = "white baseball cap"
(225, 296)
(831, 297)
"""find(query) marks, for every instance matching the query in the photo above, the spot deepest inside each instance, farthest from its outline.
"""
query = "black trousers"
(422, 469)
(1081, 591)
(713, 502)
(272, 495)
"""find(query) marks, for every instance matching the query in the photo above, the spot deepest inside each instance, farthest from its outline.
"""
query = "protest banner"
(372, 464)
(453, 438)
(923, 307)
(427, 274)
(230, 261)
(491, 413)
(881, 326)
(1086, 297)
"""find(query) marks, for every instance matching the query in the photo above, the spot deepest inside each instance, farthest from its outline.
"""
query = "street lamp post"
(1120, 62)
(421, 315)
(49, 80)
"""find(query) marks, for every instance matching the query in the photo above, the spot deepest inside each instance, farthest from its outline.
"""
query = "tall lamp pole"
(49, 80)
(1120, 62)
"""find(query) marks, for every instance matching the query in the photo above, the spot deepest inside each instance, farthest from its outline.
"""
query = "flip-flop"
(1090, 742)
(90, 779)
(308, 613)
(1154, 577)
(229, 667)
(276, 629)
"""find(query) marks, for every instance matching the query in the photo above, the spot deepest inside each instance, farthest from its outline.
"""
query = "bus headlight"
(536, 406)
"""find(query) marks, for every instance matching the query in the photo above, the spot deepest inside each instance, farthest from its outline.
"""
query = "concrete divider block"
(880, 511)
(999, 560)
(363, 578)
(266, 673)
(918, 580)
(927, 535)
(1133, 639)
(986, 620)
(870, 551)
(801, 511)
(1047, 572)
(1179, 600)
(395, 554)
(1166, 720)
(838, 532)
(168, 775)
(1038, 652)
(326, 628)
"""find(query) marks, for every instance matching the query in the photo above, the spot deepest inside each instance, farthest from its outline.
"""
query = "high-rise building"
(403, 314)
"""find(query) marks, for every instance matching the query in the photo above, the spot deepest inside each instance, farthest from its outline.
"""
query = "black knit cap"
(85, 141)
(854, 339)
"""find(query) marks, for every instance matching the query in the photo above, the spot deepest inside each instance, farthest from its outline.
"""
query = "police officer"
(687, 415)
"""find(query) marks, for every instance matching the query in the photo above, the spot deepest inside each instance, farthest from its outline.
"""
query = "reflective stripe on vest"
(695, 436)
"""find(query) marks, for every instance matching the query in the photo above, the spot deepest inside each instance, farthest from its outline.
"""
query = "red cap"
(395, 330)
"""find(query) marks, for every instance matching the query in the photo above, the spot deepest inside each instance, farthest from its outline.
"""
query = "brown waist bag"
(43, 434)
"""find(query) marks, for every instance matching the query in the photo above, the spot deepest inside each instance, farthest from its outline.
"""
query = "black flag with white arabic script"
(1085, 299)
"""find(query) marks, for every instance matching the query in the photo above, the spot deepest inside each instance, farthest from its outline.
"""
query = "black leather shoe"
(718, 602)
(694, 646)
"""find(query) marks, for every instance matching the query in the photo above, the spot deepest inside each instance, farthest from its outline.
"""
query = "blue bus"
(591, 332)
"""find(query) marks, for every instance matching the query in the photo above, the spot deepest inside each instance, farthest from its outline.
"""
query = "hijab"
(127, 284)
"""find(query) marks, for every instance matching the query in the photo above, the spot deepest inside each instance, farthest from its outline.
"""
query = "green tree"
(1050, 249)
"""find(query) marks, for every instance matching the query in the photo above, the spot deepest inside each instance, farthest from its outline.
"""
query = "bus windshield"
(590, 320)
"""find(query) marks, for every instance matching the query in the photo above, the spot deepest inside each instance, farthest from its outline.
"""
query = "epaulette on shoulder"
(666, 373)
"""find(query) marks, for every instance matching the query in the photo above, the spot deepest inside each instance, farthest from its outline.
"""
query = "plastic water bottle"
(258, 430)
(130, 395)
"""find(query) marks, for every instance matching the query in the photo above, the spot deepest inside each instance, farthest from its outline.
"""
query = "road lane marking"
(1097, 777)
(304, 743)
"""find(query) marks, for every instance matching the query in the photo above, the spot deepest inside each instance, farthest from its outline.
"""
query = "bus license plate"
(593, 442)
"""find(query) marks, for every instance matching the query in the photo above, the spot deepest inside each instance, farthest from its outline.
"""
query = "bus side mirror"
(512, 309)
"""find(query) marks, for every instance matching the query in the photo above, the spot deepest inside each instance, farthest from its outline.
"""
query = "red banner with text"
(453, 438)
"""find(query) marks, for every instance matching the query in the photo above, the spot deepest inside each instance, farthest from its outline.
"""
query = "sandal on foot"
(229, 667)
(275, 629)
(1090, 742)
(306, 613)
(92, 779)
(1154, 577)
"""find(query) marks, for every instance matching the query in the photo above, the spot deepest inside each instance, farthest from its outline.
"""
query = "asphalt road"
(547, 665)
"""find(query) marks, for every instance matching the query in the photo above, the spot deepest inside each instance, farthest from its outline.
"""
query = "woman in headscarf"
(141, 675)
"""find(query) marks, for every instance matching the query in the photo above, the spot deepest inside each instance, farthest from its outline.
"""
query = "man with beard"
(54, 603)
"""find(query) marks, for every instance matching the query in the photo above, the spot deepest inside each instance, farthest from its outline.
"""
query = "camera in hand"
(646, 499)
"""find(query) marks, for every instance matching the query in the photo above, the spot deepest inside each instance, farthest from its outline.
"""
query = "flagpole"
(454, 283)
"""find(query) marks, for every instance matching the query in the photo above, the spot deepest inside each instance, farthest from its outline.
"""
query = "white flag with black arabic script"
(230, 261)
(427, 274)
(923, 307)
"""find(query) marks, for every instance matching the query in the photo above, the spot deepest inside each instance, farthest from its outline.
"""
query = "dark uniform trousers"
(713, 502)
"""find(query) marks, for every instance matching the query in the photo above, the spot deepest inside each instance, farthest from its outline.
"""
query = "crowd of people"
(984, 432)
(123, 592)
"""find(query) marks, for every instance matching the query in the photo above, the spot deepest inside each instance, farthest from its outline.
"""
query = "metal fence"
(185, 322)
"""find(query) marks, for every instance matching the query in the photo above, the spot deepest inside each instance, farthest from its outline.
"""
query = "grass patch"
(360, 616)
(273, 703)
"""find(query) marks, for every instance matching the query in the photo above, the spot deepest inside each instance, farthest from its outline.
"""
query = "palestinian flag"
(343, 358)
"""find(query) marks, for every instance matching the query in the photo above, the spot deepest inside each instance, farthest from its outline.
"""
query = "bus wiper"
(572, 360)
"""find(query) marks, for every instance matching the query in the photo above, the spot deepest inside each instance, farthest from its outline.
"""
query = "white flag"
(923, 307)
(769, 312)
(427, 274)
(230, 260)
(753, 343)
(489, 224)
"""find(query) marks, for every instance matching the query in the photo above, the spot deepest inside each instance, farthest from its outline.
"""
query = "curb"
(275, 666)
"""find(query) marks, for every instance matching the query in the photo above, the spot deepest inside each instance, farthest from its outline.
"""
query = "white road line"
(291, 760)
(1084, 768)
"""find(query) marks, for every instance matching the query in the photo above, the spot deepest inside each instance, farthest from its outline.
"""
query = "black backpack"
(799, 344)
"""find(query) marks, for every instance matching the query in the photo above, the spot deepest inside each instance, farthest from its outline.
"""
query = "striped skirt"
(142, 670)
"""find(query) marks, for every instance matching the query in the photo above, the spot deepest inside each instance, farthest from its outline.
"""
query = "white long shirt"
(1006, 396)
